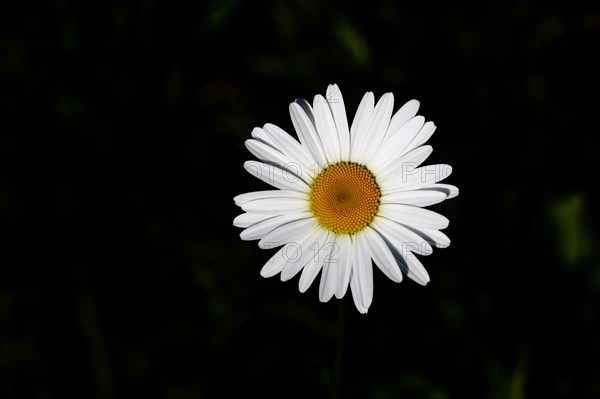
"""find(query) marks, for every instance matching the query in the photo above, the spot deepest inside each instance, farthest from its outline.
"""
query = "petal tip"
(264, 273)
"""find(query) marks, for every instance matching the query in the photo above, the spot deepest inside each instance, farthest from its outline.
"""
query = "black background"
(123, 143)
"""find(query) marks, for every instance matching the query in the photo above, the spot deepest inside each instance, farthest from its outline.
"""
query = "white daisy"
(346, 196)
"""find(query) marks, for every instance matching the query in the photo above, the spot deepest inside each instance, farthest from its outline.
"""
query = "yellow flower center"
(344, 197)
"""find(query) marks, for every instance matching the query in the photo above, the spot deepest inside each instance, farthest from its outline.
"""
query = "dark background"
(123, 128)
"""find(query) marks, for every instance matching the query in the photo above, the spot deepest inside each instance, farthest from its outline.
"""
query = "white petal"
(260, 134)
(326, 129)
(338, 110)
(413, 179)
(450, 190)
(259, 230)
(433, 237)
(257, 195)
(277, 206)
(358, 131)
(248, 219)
(395, 144)
(306, 251)
(291, 148)
(330, 273)
(424, 134)
(378, 125)
(345, 265)
(401, 247)
(412, 266)
(356, 296)
(416, 156)
(402, 236)
(327, 283)
(276, 176)
(362, 274)
(409, 161)
(277, 261)
(307, 134)
(381, 254)
(268, 154)
(289, 232)
(307, 110)
(403, 115)
(313, 267)
(416, 198)
(413, 216)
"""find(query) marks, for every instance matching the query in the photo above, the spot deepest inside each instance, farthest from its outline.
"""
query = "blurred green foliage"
(574, 237)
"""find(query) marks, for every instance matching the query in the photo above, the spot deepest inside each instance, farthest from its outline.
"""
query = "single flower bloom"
(346, 196)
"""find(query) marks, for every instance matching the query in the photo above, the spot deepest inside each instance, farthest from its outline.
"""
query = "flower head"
(346, 196)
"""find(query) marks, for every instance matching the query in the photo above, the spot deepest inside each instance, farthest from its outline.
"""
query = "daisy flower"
(346, 197)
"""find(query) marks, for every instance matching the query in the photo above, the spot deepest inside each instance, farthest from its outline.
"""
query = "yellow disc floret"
(344, 197)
